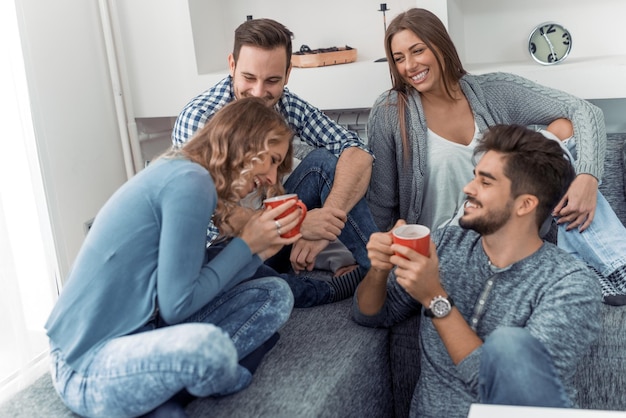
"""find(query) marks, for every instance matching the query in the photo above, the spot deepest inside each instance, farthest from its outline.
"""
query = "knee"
(212, 347)
(281, 291)
(321, 154)
(516, 369)
(507, 346)
(280, 297)
(211, 362)
(320, 158)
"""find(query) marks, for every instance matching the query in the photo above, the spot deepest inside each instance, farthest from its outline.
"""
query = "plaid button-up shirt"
(310, 124)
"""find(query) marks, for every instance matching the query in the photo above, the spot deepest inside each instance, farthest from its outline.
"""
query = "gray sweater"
(551, 294)
(396, 190)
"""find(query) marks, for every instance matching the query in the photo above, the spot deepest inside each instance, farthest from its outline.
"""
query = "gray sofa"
(325, 365)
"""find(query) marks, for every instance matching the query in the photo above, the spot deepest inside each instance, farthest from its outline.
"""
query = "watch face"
(440, 307)
(549, 43)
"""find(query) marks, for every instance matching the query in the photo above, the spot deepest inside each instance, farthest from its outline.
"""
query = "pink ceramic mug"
(275, 201)
(416, 237)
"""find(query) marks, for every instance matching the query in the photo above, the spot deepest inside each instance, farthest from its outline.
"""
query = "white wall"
(73, 114)
(496, 31)
(72, 101)
(175, 48)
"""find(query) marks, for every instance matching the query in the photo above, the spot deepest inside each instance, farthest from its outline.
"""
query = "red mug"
(275, 201)
(416, 237)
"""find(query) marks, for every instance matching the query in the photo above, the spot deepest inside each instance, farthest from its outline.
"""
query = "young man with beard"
(331, 180)
(505, 315)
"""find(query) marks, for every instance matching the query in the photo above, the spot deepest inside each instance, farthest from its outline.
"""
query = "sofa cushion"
(38, 400)
(405, 363)
(324, 365)
(601, 374)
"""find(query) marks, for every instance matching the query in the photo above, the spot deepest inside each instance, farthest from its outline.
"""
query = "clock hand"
(549, 45)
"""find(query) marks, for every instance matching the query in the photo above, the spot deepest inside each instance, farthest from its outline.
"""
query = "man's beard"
(488, 223)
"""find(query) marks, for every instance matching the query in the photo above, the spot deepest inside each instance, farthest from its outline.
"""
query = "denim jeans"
(307, 292)
(603, 244)
(133, 374)
(312, 180)
(516, 369)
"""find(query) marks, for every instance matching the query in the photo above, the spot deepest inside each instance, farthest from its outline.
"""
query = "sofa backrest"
(613, 185)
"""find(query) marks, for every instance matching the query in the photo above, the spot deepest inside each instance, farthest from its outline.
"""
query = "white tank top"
(450, 168)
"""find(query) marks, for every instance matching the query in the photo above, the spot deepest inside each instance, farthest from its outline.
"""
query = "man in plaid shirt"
(331, 180)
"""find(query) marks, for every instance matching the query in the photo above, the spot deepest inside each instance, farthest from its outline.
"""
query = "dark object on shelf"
(383, 8)
(307, 57)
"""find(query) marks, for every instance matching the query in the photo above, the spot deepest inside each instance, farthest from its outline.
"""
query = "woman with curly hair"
(147, 312)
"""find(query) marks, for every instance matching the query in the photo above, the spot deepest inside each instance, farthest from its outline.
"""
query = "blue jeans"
(307, 292)
(133, 374)
(312, 180)
(603, 244)
(516, 369)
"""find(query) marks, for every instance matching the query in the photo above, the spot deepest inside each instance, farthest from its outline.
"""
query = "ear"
(231, 64)
(526, 204)
(287, 73)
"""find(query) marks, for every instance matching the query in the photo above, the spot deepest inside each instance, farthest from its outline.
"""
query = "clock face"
(549, 43)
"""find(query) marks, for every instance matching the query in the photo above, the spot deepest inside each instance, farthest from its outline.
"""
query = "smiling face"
(489, 204)
(264, 172)
(415, 62)
(260, 73)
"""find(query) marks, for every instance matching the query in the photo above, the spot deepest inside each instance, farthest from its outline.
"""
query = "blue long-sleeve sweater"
(146, 246)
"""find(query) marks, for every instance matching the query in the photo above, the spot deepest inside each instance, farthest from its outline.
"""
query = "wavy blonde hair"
(235, 139)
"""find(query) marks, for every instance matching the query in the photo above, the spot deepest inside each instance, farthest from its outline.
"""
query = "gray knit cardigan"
(396, 188)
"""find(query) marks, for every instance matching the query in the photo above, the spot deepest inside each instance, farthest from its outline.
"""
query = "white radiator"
(352, 119)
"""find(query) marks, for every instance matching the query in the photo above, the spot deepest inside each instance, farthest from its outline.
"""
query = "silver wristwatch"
(439, 307)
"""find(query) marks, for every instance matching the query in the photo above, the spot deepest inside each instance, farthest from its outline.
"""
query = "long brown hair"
(426, 26)
(235, 139)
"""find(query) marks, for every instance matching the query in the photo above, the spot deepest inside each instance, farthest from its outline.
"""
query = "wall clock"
(549, 43)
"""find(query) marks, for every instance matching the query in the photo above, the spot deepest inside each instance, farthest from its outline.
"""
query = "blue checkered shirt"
(309, 123)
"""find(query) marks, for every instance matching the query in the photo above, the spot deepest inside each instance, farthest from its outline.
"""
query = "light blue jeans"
(516, 369)
(134, 374)
(603, 244)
